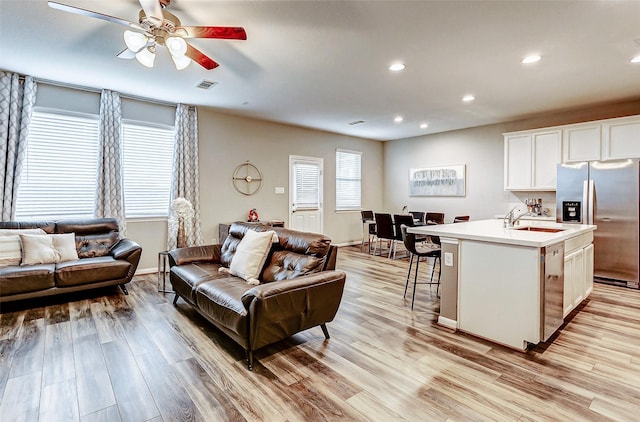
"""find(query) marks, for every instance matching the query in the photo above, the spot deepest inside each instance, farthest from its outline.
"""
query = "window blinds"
(348, 180)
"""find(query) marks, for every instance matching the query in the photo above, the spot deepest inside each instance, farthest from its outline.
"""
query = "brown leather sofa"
(299, 287)
(104, 260)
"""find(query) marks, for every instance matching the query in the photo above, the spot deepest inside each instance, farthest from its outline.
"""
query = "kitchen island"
(513, 286)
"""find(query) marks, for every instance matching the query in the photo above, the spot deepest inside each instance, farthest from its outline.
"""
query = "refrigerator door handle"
(585, 202)
(591, 210)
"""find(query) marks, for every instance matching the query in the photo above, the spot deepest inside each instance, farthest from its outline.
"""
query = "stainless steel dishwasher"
(552, 294)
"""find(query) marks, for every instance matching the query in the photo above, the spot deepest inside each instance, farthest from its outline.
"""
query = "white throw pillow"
(251, 254)
(38, 249)
(12, 232)
(10, 250)
(65, 244)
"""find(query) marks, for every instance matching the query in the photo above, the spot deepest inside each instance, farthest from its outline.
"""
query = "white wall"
(226, 141)
(481, 149)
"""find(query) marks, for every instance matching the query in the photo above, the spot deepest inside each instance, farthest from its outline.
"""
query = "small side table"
(163, 266)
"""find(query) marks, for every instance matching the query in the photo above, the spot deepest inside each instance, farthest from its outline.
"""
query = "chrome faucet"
(510, 220)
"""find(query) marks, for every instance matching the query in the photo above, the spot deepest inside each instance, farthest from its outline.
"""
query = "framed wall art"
(437, 181)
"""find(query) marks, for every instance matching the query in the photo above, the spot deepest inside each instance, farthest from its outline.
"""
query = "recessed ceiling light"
(468, 98)
(424, 125)
(398, 119)
(531, 59)
(636, 59)
(397, 67)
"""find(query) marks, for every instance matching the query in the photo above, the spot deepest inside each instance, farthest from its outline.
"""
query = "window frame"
(351, 203)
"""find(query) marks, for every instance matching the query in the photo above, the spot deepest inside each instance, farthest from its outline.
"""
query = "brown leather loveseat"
(104, 259)
(299, 287)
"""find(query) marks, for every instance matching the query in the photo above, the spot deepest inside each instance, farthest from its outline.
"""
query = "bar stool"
(367, 220)
(429, 250)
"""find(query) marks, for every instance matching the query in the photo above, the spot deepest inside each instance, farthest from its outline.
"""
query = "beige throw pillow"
(10, 251)
(251, 255)
(65, 244)
(37, 249)
(48, 249)
(12, 232)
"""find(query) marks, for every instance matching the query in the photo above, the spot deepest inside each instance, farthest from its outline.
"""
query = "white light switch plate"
(279, 189)
(448, 259)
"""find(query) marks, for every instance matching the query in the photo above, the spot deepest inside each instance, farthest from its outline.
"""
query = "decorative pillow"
(38, 249)
(65, 244)
(10, 251)
(251, 255)
(48, 249)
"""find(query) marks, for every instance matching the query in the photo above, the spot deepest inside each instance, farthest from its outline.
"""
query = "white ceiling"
(323, 64)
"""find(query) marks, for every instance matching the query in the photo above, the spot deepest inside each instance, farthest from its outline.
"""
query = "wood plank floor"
(103, 356)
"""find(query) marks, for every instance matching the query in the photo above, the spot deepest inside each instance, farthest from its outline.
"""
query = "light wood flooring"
(104, 356)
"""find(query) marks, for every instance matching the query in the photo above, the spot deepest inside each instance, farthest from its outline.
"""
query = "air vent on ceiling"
(357, 122)
(206, 84)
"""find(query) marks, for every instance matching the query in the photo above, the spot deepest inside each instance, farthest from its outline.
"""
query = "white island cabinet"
(497, 282)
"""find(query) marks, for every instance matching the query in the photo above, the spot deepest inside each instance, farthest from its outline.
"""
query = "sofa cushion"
(90, 270)
(94, 237)
(251, 255)
(221, 301)
(16, 279)
(285, 265)
(186, 278)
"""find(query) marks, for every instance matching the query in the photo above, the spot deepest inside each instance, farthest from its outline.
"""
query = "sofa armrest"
(282, 308)
(124, 248)
(188, 255)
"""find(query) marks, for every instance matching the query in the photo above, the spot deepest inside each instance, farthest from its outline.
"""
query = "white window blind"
(348, 180)
(307, 185)
(59, 174)
(147, 163)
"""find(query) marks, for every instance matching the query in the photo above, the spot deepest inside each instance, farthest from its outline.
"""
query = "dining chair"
(435, 217)
(398, 220)
(418, 216)
(460, 218)
(425, 250)
(367, 221)
(384, 231)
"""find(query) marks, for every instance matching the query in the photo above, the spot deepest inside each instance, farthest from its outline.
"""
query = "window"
(306, 185)
(147, 162)
(348, 180)
(59, 173)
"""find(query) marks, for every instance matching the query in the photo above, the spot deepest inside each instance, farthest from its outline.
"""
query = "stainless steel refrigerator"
(605, 193)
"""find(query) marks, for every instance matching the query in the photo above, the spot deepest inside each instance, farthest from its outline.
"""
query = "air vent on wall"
(206, 84)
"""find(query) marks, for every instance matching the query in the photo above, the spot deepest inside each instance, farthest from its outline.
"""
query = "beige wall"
(226, 141)
(481, 149)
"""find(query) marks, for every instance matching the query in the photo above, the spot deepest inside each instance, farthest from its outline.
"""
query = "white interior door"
(305, 193)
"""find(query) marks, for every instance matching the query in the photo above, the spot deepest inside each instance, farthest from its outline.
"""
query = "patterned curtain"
(184, 181)
(110, 192)
(17, 98)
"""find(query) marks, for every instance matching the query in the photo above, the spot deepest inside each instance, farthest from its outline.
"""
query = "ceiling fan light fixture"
(135, 41)
(181, 62)
(177, 46)
(146, 56)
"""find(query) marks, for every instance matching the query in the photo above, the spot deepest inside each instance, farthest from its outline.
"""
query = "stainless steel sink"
(540, 229)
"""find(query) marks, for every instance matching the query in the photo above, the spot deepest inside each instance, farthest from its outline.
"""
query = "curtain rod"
(98, 90)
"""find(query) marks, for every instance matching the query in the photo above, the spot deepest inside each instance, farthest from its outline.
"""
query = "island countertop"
(493, 231)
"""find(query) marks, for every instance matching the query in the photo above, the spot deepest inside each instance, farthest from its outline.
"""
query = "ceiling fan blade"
(92, 14)
(200, 58)
(225, 32)
(127, 54)
(153, 10)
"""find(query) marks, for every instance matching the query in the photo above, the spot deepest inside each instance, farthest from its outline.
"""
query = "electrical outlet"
(279, 190)
(448, 259)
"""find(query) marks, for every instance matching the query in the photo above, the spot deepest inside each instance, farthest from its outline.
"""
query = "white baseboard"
(449, 323)
(143, 271)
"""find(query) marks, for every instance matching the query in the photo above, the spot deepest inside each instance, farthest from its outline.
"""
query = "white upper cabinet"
(610, 139)
(621, 138)
(582, 143)
(530, 160)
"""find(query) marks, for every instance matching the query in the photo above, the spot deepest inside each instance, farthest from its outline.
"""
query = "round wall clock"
(247, 179)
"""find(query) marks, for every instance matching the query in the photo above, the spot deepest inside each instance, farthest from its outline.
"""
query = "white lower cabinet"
(578, 277)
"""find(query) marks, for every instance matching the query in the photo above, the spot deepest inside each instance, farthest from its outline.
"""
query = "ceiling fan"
(156, 27)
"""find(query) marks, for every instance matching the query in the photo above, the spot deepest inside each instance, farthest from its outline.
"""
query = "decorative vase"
(182, 237)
